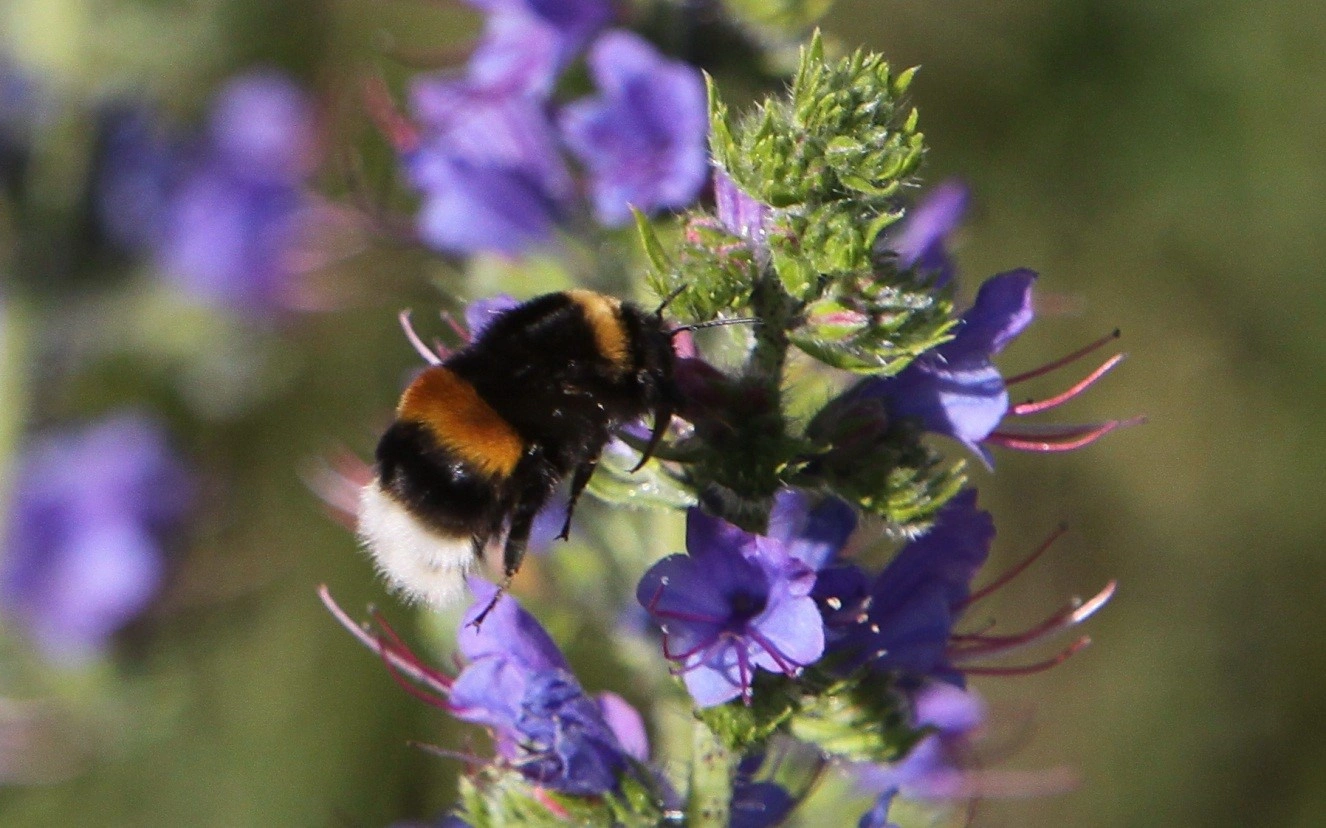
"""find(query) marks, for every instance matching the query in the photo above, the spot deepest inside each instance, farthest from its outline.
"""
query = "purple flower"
(236, 212)
(734, 603)
(903, 620)
(921, 240)
(518, 684)
(642, 138)
(935, 767)
(759, 804)
(83, 550)
(223, 213)
(740, 213)
(812, 530)
(21, 108)
(527, 43)
(488, 166)
(955, 389)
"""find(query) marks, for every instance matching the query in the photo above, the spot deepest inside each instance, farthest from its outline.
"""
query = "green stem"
(774, 308)
(712, 768)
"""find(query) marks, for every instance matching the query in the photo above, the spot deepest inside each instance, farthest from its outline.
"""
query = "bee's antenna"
(667, 300)
(716, 323)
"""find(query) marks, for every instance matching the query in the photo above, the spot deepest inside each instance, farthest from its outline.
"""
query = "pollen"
(603, 313)
(462, 422)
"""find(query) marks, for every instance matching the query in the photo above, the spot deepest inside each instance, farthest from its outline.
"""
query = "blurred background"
(1161, 165)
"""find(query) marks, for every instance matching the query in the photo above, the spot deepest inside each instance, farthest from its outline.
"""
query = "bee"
(483, 439)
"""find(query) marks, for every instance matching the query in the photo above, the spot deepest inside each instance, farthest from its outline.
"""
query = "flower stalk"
(713, 765)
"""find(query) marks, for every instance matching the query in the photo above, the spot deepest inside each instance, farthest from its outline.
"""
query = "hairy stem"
(712, 768)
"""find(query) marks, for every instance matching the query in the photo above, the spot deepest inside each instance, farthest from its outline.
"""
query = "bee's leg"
(522, 520)
(579, 480)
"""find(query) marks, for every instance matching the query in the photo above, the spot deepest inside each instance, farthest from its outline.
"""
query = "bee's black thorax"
(542, 369)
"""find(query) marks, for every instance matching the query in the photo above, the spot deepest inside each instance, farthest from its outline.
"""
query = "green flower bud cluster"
(823, 168)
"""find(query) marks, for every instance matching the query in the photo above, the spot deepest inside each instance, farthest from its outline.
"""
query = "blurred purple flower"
(937, 766)
(527, 43)
(223, 213)
(920, 241)
(643, 137)
(488, 166)
(135, 162)
(955, 389)
(235, 215)
(518, 684)
(735, 602)
(22, 106)
(759, 804)
(83, 553)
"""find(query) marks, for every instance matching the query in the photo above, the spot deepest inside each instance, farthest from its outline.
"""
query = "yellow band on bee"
(461, 421)
(603, 313)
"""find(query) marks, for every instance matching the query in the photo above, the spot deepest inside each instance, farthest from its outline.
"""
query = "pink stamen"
(1030, 669)
(1065, 360)
(406, 663)
(554, 807)
(1089, 380)
(468, 758)
(456, 327)
(1017, 569)
(399, 646)
(423, 350)
(418, 692)
(400, 133)
(1058, 440)
(985, 646)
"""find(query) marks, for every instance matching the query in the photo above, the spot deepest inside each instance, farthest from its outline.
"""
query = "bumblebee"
(483, 439)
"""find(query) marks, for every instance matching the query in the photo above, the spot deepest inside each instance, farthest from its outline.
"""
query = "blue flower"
(642, 138)
(955, 389)
(902, 620)
(83, 549)
(734, 603)
(518, 684)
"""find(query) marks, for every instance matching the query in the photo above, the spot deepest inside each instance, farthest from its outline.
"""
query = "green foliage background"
(1161, 164)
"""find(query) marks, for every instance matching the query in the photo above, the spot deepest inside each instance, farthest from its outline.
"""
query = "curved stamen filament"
(1029, 669)
(1086, 382)
(406, 663)
(1065, 360)
(1017, 569)
(984, 646)
(1060, 440)
(420, 348)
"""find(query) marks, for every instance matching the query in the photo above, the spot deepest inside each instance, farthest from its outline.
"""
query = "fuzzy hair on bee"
(483, 439)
